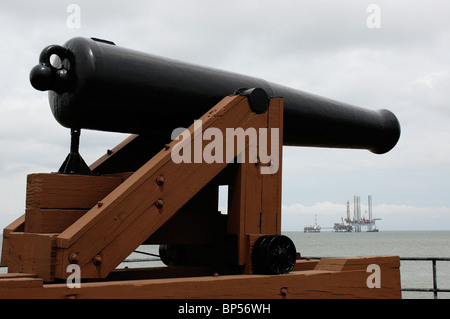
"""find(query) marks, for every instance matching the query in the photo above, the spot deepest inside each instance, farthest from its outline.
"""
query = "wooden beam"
(345, 264)
(271, 183)
(32, 253)
(52, 220)
(16, 226)
(308, 284)
(55, 201)
(302, 264)
(67, 191)
(255, 198)
(20, 280)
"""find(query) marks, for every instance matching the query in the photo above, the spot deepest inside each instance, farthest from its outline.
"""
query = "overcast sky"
(322, 47)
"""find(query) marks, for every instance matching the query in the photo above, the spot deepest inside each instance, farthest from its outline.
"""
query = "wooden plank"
(246, 196)
(128, 215)
(20, 282)
(255, 201)
(363, 261)
(160, 272)
(341, 264)
(67, 191)
(16, 226)
(271, 184)
(252, 198)
(235, 223)
(17, 275)
(32, 253)
(388, 267)
(67, 197)
(310, 284)
(52, 220)
(301, 265)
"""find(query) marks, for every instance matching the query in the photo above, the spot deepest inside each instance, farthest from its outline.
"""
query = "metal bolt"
(159, 203)
(160, 180)
(166, 147)
(109, 152)
(283, 291)
(97, 260)
(74, 259)
(99, 204)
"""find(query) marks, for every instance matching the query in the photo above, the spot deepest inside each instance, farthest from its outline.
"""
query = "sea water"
(414, 274)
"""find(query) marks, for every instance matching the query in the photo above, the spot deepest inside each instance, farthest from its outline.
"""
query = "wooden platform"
(334, 278)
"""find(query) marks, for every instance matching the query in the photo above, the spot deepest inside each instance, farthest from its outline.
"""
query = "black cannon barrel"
(95, 84)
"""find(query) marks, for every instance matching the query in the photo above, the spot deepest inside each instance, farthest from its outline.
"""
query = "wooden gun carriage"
(95, 216)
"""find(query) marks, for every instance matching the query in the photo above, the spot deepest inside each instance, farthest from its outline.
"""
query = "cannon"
(97, 85)
(137, 194)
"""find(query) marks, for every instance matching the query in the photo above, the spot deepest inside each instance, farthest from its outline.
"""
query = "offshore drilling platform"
(357, 223)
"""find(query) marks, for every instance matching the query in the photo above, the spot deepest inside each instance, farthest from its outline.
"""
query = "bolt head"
(98, 259)
(74, 258)
(159, 203)
(160, 180)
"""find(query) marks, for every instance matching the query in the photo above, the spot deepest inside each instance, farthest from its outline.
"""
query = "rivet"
(109, 152)
(283, 291)
(97, 260)
(74, 259)
(159, 203)
(99, 204)
(160, 180)
(166, 147)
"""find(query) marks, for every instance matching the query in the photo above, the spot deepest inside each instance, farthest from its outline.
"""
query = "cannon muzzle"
(97, 85)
